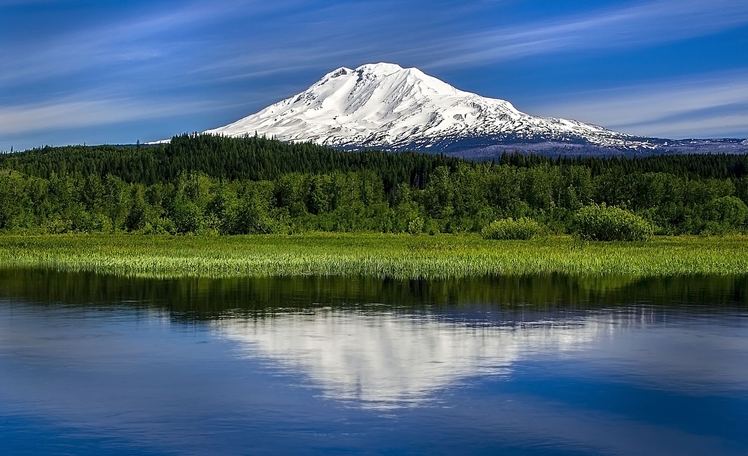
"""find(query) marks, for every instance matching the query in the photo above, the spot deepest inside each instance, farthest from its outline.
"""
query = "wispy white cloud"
(321, 43)
(643, 24)
(602, 30)
(76, 112)
(713, 105)
(124, 40)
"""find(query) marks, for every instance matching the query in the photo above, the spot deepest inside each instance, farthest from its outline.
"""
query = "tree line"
(208, 184)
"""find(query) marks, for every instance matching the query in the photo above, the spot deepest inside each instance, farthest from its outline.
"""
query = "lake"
(103, 365)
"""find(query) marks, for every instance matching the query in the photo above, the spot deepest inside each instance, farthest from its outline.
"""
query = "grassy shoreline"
(375, 255)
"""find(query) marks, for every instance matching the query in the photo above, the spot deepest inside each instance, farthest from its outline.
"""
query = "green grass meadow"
(373, 255)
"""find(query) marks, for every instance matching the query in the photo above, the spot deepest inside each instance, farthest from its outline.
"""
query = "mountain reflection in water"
(384, 359)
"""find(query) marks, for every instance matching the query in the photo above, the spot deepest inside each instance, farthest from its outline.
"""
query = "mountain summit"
(386, 106)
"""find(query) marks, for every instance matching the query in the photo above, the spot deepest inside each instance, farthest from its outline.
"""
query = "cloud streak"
(713, 105)
(77, 112)
(127, 40)
(646, 24)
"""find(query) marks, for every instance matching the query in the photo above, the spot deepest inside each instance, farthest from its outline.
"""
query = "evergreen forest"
(207, 184)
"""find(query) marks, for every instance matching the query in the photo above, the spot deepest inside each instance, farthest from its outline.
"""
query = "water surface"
(543, 365)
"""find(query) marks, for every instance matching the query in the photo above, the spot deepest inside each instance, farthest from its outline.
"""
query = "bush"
(252, 217)
(415, 225)
(724, 215)
(187, 217)
(431, 227)
(522, 228)
(611, 223)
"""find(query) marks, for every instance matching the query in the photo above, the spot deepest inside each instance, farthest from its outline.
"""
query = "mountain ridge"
(385, 106)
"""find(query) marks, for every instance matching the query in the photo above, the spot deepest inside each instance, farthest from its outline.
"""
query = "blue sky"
(110, 71)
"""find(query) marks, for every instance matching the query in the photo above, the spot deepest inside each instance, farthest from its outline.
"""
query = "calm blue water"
(107, 366)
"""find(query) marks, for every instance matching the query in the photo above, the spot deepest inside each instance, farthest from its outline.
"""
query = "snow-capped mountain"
(389, 107)
(386, 106)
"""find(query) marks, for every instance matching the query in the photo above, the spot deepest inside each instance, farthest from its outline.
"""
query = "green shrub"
(187, 216)
(431, 227)
(725, 214)
(415, 225)
(252, 217)
(611, 223)
(59, 225)
(521, 228)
